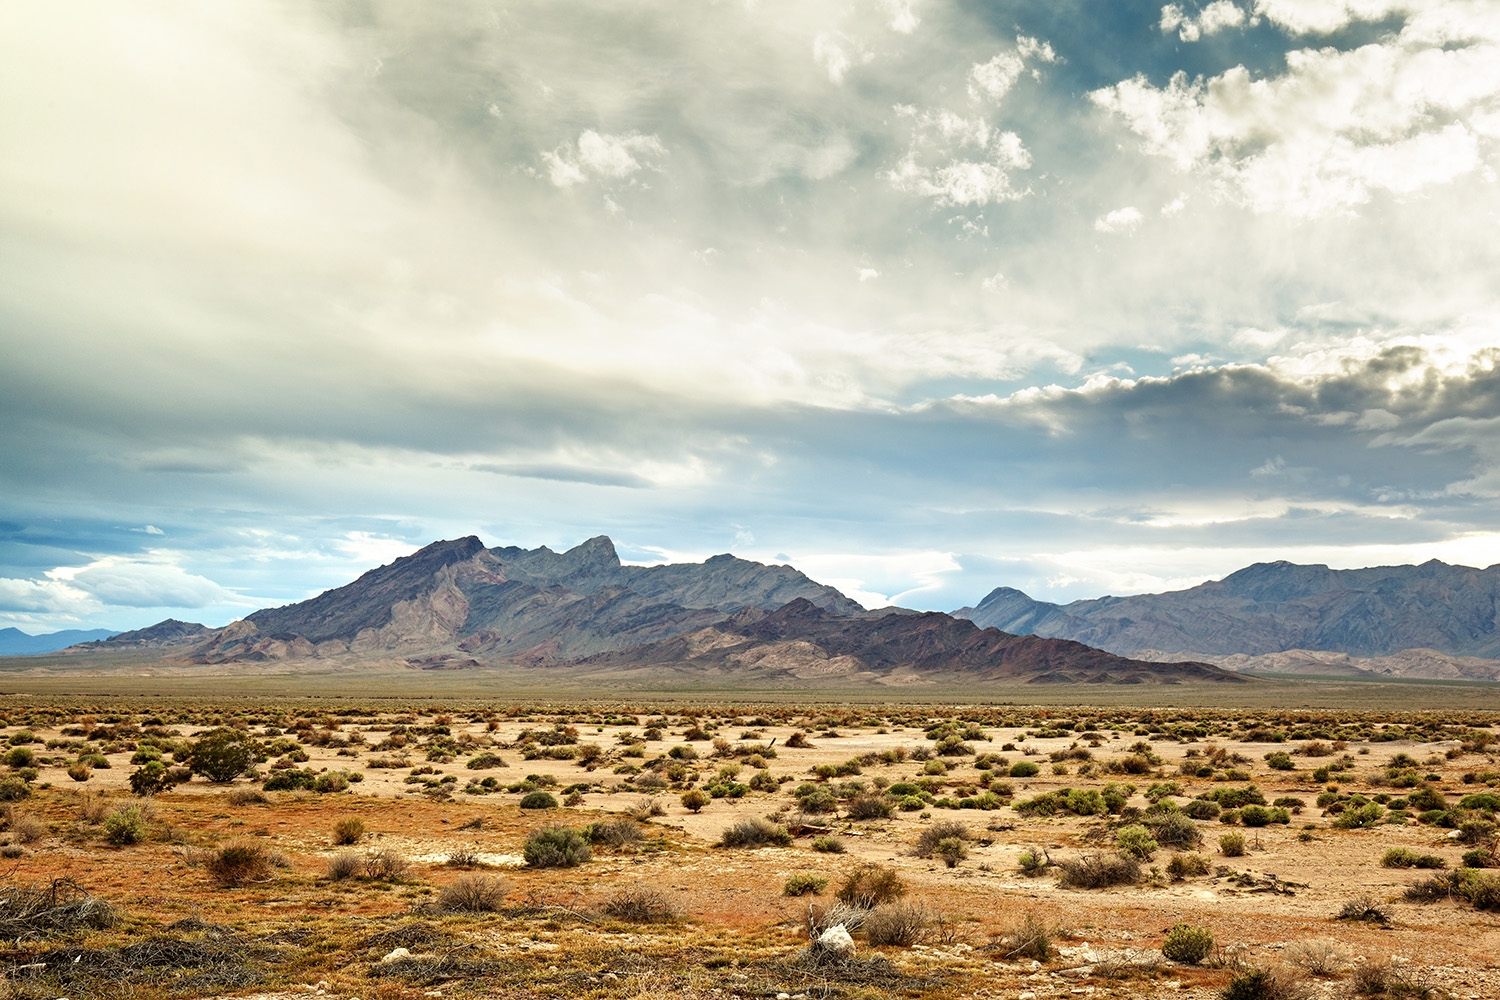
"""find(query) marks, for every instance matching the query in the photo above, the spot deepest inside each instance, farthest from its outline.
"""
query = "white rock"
(836, 939)
(395, 954)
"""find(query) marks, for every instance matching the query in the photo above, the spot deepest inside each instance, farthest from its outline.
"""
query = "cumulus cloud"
(1334, 130)
(1211, 20)
(1121, 220)
(600, 156)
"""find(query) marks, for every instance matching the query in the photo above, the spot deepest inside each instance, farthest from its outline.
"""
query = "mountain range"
(460, 605)
(14, 642)
(1287, 617)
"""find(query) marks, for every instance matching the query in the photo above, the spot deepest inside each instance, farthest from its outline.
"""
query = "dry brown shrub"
(900, 924)
(239, 862)
(472, 894)
(640, 905)
(1318, 956)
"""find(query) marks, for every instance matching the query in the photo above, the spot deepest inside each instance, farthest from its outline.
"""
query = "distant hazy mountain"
(1275, 607)
(14, 642)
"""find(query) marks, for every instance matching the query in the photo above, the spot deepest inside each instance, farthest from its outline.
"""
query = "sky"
(922, 298)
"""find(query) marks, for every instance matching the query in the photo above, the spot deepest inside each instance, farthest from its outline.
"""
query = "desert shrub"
(1265, 984)
(345, 864)
(1025, 769)
(640, 905)
(931, 836)
(1384, 978)
(805, 883)
(1187, 866)
(480, 761)
(1033, 861)
(1402, 857)
(150, 778)
(1031, 939)
(245, 796)
(22, 756)
(239, 862)
(952, 850)
(820, 918)
(828, 844)
(14, 789)
(870, 885)
(1135, 841)
(386, 864)
(755, 832)
(333, 781)
(1232, 845)
(1174, 830)
(1188, 944)
(539, 800)
(27, 828)
(869, 807)
(1360, 816)
(80, 772)
(647, 808)
(472, 894)
(695, 799)
(92, 809)
(126, 825)
(1363, 909)
(616, 833)
(286, 779)
(555, 847)
(221, 755)
(1480, 889)
(348, 830)
(1098, 871)
(900, 924)
(1318, 957)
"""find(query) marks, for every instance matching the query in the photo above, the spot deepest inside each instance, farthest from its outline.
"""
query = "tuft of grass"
(829, 844)
(348, 830)
(239, 862)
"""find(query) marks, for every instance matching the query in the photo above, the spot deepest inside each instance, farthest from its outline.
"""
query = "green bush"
(1025, 769)
(126, 825)
(1263, 984)
(694, 799)
(1187, 866)
(14, 789)
(1232, 845)
(1135, 841)
(150, 778)
(1402, 857)
(556, 847)
(539, 800)
(755, 832)
(1188, 944)
(828, 845)
(288, 778)
(804, 884)
(221, 755)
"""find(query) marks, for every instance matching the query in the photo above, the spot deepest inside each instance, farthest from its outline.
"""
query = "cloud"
(1335, 130)
(1211, 20)
(120, 582)
(609, 157)
(1121, 220)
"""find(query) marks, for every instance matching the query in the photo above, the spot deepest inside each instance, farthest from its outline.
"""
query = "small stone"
(396, 954)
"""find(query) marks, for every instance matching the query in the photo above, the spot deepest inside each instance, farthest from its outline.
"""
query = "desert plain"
(398, 847)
